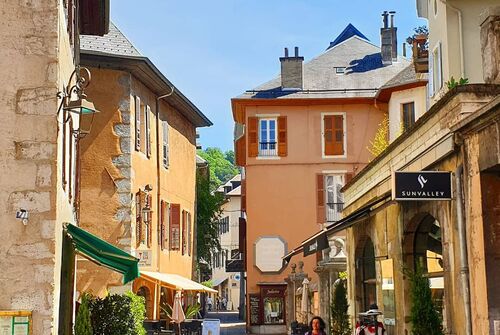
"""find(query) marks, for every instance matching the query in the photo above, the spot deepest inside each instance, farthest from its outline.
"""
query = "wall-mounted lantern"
(74, 101)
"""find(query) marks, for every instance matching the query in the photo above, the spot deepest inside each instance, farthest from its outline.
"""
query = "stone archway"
(144, 292)
(366, 279)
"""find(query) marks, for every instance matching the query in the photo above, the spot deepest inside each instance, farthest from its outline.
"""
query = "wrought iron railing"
(267, 149)
(333, 211)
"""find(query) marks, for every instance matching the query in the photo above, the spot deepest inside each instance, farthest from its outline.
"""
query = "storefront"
(268, 307)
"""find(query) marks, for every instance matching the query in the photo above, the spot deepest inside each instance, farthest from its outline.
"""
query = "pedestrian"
(217, 304)
(224, 303)
(316, 326)
(209, 303)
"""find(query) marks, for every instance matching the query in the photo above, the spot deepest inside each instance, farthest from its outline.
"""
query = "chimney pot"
(296, 51)
(392, 18)
(286, 52)
(384, 19)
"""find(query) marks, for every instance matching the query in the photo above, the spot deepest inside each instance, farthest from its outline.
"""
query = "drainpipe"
(461, 37)
(464, 265)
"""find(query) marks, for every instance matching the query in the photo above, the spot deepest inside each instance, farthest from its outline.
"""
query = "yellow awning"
(176, 282)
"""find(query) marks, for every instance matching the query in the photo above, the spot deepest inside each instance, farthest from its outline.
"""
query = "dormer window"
(340, 70)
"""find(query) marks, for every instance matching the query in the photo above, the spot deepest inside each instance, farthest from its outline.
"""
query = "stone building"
(38, 189)
(139, 172)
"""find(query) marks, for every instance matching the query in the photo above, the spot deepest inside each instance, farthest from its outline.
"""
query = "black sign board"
(254, 309)
(422, 185)
(318, 243)
(235, 265)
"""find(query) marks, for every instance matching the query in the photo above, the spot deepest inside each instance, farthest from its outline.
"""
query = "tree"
(424, 317)
(83, 323)
(381, 139)
(208, 212)
(221, 165)
(340, 324)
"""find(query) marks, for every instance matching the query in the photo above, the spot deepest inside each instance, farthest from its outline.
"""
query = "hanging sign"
(318, 243)
(422, 185)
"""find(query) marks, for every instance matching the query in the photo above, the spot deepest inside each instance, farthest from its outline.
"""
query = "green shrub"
(424, 317)
(83, 323)
(113, 315)
(138, 308)
(340, 324)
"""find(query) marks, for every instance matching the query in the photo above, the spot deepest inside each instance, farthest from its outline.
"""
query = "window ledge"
(268, 157)
(334, 156)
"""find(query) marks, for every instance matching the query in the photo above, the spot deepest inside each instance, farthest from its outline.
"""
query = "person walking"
(209, 303)
(316, 326)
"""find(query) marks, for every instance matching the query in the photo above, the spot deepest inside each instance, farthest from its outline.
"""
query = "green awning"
(103, 253)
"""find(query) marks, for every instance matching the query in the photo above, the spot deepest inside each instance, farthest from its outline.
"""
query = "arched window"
(428, 254)
(144, 292)
(368, 275)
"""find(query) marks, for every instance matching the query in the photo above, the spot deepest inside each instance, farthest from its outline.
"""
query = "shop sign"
(15, 323)
(316, 244)
(210, 327)
(145, 257)
(422, 185)
(255, 311)
(235, 265)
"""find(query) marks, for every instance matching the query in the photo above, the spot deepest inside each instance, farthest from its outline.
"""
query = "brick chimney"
(389, 39)
(291, 71)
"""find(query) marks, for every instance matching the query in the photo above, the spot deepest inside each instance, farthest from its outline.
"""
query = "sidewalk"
(229, 322)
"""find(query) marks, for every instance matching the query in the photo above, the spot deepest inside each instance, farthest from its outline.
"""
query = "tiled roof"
(364, 74)
(347, 33)
(113, 43)
(407, 75)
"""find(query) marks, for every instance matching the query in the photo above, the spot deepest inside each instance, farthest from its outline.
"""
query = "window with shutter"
(138, 219)
(161, 225)
(184, 232)
(408, 115)
(320, 199)
(282, 136)
(165, 144)
(147, 117)
(253, 137)
(189, 237)
(268, 145)
(175, 226)
(333, 135)
(137, 123)
(334, 197)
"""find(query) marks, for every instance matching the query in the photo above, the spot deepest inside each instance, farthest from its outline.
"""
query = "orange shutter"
(175, 229)
(348, 177)
(161, 227)
(150, 224)
(328, 135)
(253, 136)
(320, 198)
(183, 232)
(338, 135)
(243, 195)
(240, 154)
(282, 136)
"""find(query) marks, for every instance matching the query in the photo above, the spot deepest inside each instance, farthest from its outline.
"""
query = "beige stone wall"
(417, 96)
(36, 63)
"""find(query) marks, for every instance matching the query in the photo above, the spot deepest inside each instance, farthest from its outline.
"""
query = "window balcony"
(268, 149)
(333, 211)
(420, 54)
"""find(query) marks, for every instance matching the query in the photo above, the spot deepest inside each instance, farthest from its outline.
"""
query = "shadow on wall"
(367, 63)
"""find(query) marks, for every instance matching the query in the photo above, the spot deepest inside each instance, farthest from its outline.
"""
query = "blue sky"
(215, 50)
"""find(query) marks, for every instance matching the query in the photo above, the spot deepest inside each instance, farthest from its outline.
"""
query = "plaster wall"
(37, 62)
(416, 95)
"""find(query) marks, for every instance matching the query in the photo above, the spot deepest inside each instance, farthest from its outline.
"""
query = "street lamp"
(74, 100)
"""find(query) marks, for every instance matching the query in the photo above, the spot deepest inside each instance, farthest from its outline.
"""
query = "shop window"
(369, 278)
(273, 305)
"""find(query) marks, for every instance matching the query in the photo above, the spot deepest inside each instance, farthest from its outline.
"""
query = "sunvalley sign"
(422, 185)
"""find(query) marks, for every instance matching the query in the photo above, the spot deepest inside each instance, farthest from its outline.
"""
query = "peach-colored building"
(139, 170)
(300, 137)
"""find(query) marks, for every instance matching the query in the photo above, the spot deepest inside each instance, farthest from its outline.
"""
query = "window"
(165, 144)
(333, 136)
(437, 71)
(175, 226)
(267, 137)
(334, 199)
(223, 225)
(142, 127)
(369, 279)
(339, 69)
(408, 115)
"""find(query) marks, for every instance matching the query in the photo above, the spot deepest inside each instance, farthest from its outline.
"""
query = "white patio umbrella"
(177, 312)
(304, 305)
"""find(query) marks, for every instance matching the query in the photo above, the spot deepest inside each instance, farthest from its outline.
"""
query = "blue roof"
(348, 32)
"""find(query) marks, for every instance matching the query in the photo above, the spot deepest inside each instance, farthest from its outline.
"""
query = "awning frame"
(156, 277)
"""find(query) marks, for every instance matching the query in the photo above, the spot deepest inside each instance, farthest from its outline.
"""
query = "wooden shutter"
(161, 226)
(320, 198)
(175, 222)
(147, 118)
(282, 136)
(138, 219)
(243, 195)
(184, 232)
(137, 123)
(189, 233)
(165, 144)
(338, 135)
(253, 137)
(328, 135)
(348, 177)
(147, 228)
(240, 151)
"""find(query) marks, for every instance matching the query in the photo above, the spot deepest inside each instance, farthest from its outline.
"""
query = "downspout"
(461, 37)
(464, 264)
(158, 198)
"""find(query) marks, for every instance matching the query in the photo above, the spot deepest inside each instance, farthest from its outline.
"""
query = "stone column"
(490, 44)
